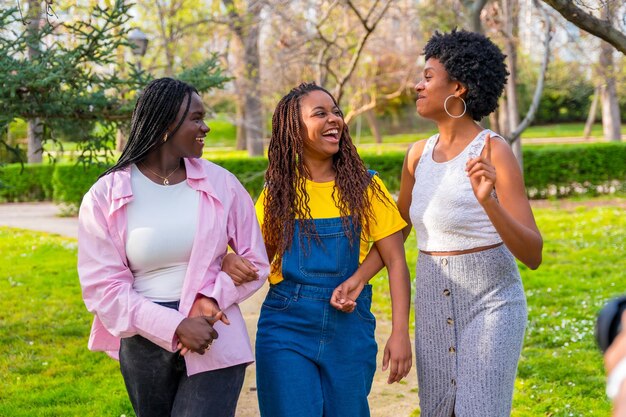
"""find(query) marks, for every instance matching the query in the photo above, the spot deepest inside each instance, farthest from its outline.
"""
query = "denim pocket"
(275, 301)
(364, 309)
(328, 257)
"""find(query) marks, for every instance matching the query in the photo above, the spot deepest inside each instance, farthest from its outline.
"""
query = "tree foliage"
(74, 84)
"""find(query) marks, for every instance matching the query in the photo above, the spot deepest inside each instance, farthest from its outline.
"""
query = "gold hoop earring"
(165, 138)
(445, 106)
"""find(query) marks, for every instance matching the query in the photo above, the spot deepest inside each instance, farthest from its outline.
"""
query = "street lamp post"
(139, 44)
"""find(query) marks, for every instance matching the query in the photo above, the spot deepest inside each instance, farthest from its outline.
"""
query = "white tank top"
(444, 210)
(160, 232)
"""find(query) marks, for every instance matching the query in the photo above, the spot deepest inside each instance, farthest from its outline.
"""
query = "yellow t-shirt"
(323, 206)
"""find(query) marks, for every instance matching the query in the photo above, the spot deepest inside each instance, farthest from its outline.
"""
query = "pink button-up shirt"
(226, 218)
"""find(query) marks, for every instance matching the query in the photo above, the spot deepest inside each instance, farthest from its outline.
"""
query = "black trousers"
(158, 385)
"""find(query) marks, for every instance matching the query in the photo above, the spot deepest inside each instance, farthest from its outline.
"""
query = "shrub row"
(550, 171)
(26, 183)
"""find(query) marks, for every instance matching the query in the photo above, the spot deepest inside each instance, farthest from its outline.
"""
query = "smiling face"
(188, 141)
(433, 89)
(322, 125)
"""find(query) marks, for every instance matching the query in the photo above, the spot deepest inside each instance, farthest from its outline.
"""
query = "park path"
(397, 400)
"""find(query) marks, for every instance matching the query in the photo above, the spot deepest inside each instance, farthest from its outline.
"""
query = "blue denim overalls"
(313, 360)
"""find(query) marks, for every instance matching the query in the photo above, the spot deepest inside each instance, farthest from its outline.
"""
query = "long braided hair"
(286, 197)
(155, 111)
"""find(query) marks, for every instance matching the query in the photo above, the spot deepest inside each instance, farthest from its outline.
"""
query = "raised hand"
(482, 173)
(239, 269)
(345, 295)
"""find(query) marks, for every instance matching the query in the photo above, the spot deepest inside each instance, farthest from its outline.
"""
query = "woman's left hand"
(207, 307)
(398, 356)
(482, 173)
(239, 269)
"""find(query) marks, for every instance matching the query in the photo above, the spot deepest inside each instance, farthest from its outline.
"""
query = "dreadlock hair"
(285, 196)
(155, 110)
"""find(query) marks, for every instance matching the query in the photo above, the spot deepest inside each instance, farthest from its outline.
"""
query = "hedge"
(560, 171)
(28, 182)
(549, 171)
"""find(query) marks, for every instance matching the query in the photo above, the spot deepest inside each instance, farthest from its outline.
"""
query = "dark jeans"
(158, 385)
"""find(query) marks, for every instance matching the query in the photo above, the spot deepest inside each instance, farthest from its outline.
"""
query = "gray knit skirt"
(470, 317)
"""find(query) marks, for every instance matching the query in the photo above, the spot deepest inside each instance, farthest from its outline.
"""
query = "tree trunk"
(499, 119)
(611, 124)
(237, 67)
(373, 124)
(475, 7)
(240, 144)
(610, 113)
(593, 110)
(253, 110)
(35, 126)
(120, 140)
(510, 9)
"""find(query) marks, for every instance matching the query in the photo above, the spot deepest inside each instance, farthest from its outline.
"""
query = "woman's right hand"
(197, 333)
(345, 295)
(239, 269)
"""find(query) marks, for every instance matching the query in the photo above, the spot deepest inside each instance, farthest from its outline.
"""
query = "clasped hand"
(397, 355)
(196, 333)
(345, 295)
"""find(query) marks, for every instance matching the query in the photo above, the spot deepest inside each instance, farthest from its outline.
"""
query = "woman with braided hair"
(320, 208)
(153, 231)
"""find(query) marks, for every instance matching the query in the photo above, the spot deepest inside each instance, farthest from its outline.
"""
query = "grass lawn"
(46, 369)
(561, 371)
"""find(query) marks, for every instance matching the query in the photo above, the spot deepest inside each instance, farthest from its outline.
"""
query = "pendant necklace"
(165, 179)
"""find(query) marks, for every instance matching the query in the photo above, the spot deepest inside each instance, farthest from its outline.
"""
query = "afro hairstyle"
(474, 60)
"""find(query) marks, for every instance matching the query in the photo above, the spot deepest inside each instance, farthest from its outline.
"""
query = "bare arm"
(373, 263)
(510, 214)
(407, 182)
(398, 353)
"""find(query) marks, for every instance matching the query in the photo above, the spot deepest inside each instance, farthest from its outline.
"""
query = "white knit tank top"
(444, 209)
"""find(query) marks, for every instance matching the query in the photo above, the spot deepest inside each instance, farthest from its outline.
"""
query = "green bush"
(388, 166)
(30, 182)
(559, 171)
(70, 183)
(549, 171)
(249, 171)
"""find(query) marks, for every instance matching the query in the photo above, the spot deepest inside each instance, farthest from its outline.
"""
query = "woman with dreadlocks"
(319, 210)
(153, 231)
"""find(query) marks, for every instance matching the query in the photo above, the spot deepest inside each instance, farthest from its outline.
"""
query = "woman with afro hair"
(463, 191)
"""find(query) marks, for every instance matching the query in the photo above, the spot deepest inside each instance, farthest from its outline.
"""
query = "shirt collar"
(197, 174)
